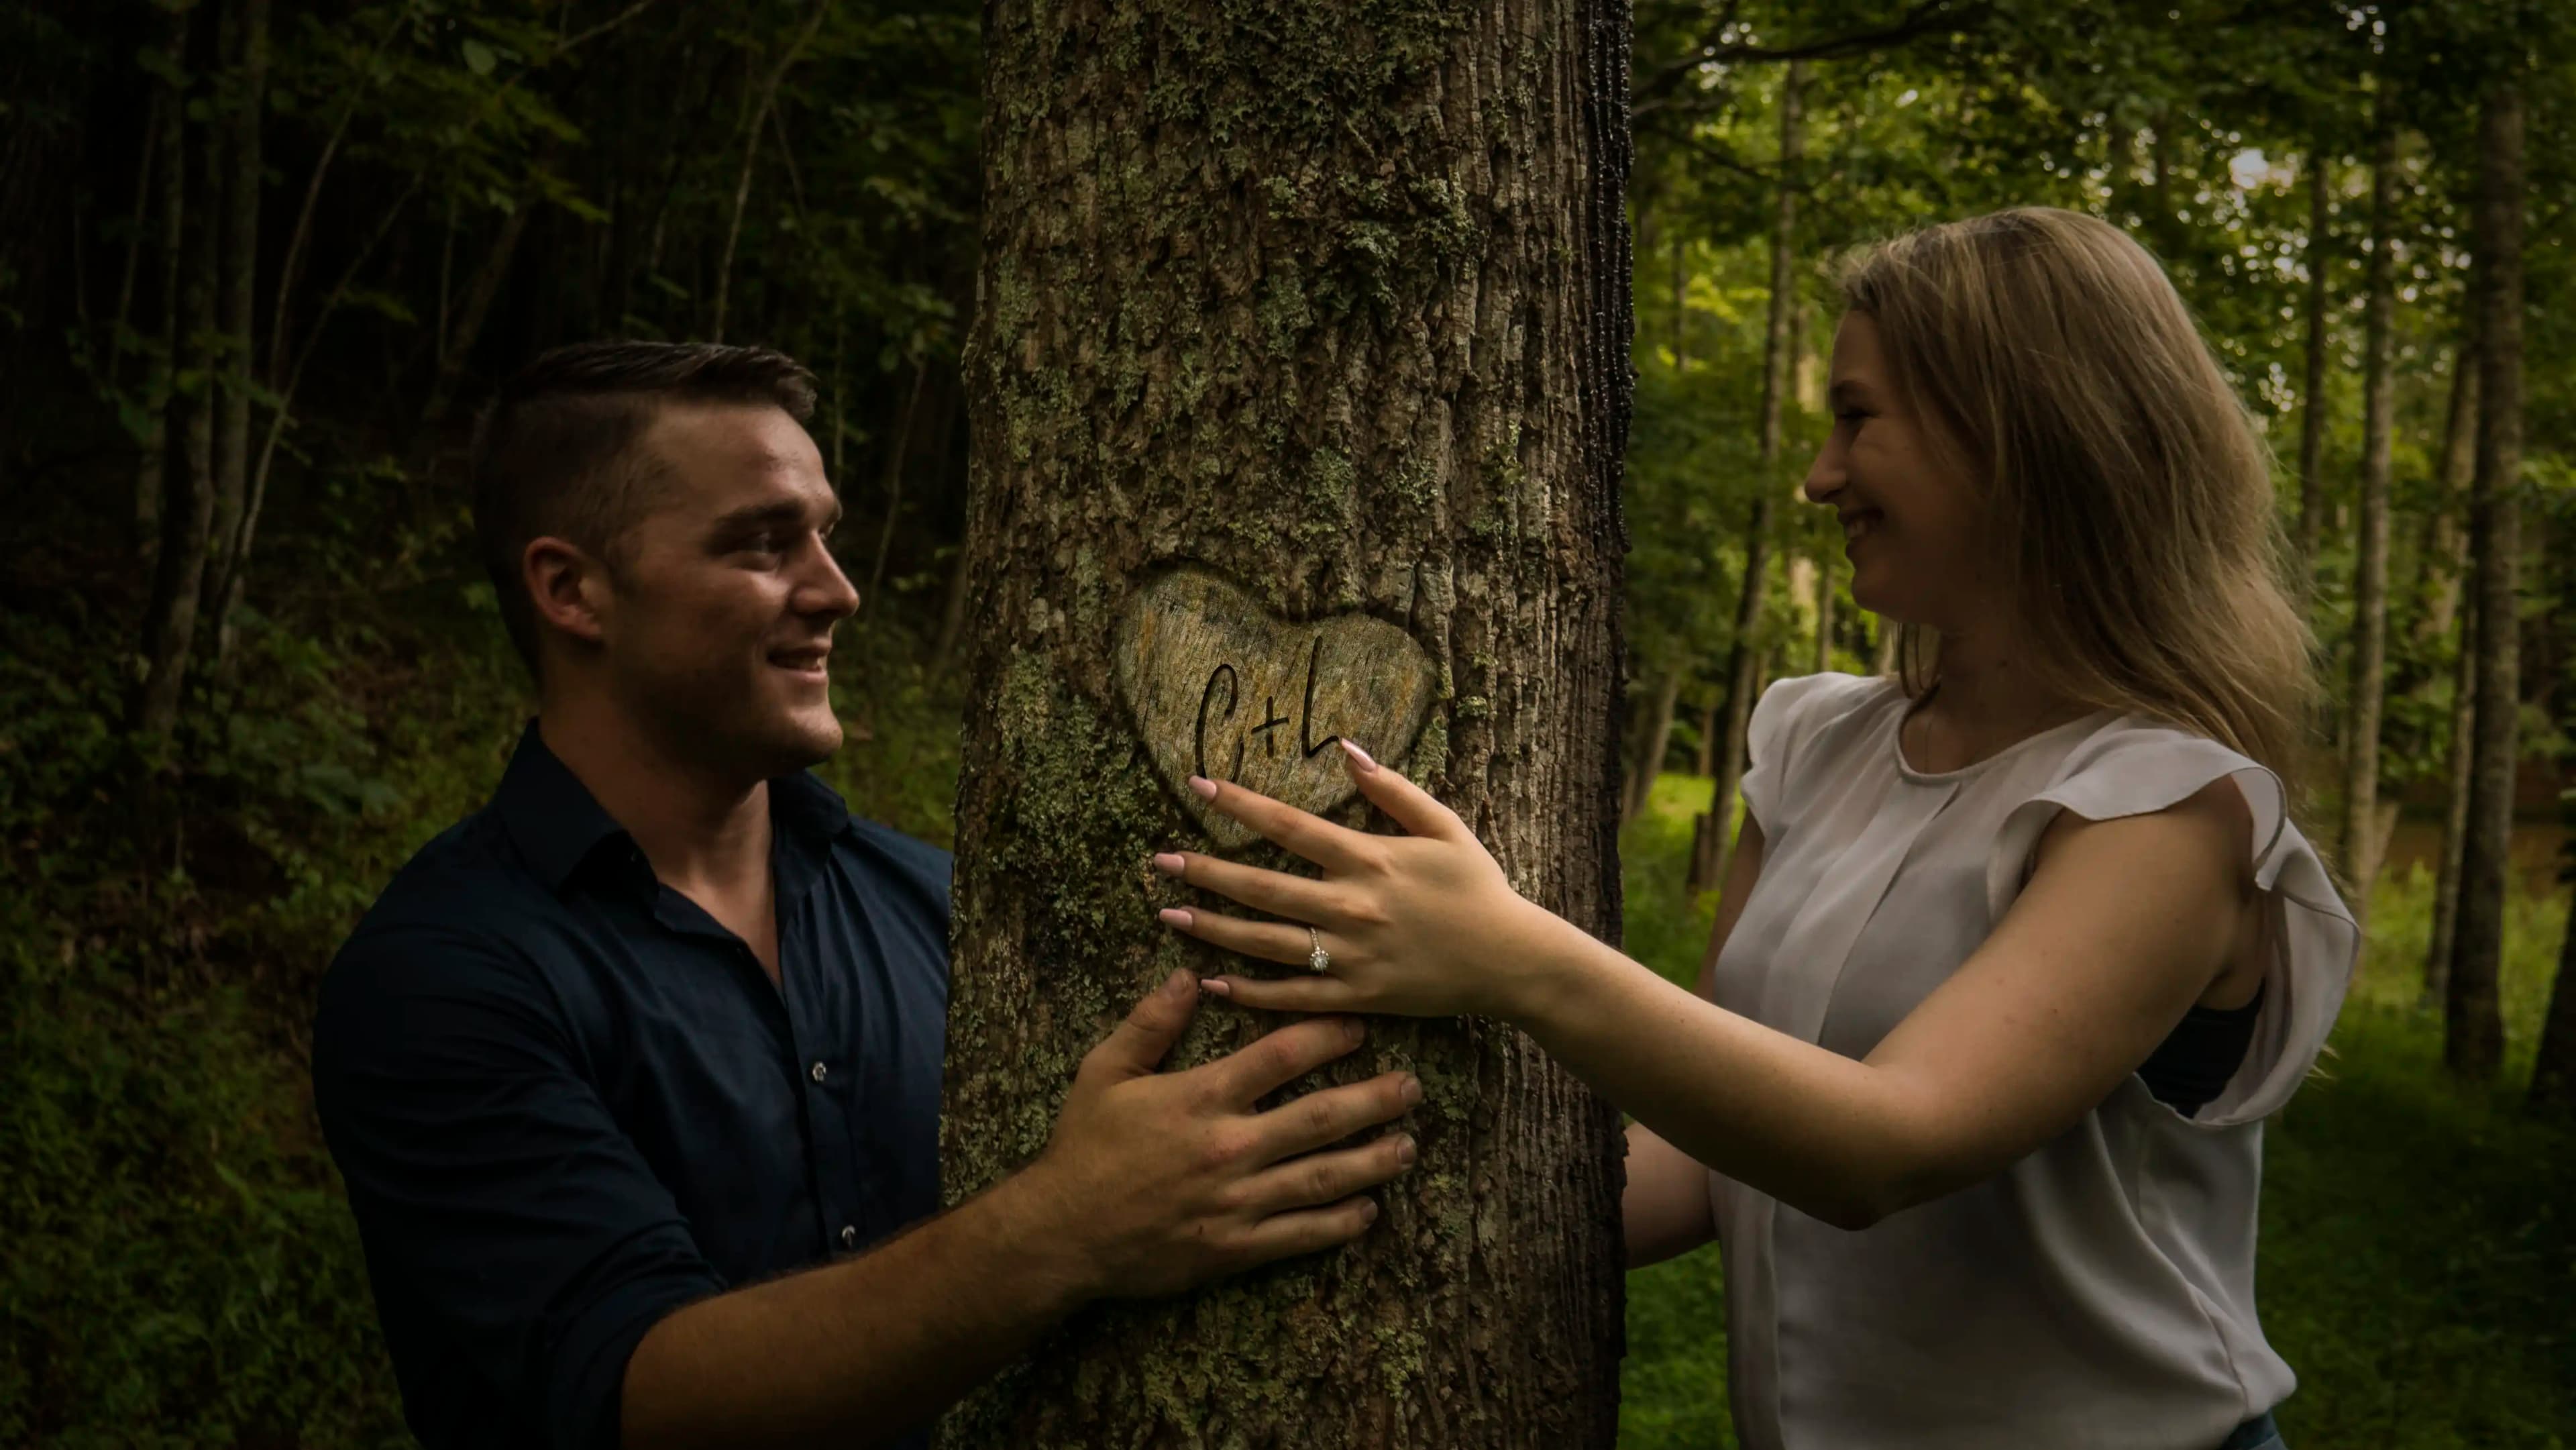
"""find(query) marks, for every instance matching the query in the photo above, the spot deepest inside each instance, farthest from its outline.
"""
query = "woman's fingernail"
(1216, 987)
(1175, 916)
(1411, 1092)
(1203, 787)
(1368, 1213)
(1177, 984)
(1359, 759)
(1169, 864)
(1405, 1152)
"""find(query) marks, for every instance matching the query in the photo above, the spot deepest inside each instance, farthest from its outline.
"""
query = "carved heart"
(1222, 688)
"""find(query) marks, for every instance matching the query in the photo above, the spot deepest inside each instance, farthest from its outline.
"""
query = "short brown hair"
(555, 452)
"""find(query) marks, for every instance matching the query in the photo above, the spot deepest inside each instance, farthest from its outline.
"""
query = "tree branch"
(1659, 90)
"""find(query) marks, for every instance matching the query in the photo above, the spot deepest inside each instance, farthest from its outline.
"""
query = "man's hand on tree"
(1162, 1181)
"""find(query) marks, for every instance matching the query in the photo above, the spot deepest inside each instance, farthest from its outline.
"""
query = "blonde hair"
(2048, 354)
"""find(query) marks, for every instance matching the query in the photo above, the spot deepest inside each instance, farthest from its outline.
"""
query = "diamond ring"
(1318, 961)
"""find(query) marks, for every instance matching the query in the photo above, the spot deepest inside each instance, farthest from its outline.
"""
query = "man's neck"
(704, 834)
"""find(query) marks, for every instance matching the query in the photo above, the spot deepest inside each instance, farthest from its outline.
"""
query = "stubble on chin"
(738, 729)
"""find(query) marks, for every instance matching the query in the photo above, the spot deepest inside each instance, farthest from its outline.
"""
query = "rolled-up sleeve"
(512, 1229)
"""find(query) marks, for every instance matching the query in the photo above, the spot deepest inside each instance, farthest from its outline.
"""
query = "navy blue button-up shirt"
(567, 1101)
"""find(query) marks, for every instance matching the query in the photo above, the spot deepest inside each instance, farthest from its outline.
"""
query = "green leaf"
(479, 58)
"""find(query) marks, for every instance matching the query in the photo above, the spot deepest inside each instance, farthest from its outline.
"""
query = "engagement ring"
(1318, 961)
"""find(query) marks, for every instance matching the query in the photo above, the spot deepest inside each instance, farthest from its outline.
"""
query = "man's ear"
(568, 588)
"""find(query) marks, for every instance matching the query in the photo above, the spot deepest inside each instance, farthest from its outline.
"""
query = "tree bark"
(2473, 1039)
(2312, 413)
(1715, 840)
(1331, 303)
(2361, 834)
(1705, 759)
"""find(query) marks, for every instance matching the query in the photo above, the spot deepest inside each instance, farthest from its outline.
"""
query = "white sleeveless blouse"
(2100, 1291)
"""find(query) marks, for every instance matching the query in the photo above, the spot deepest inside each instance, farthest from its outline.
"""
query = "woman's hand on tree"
(1420, 925)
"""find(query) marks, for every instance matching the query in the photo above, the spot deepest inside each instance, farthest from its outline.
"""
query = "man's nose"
(825, 589)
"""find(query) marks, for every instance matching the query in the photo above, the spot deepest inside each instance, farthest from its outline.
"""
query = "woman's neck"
(1988, 697)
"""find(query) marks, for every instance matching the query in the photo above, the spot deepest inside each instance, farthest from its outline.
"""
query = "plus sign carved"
(1220, 687)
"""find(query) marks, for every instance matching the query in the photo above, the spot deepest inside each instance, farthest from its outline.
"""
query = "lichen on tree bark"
(1330, 299)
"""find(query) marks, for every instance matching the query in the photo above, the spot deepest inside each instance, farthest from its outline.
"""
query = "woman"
(2016, 952)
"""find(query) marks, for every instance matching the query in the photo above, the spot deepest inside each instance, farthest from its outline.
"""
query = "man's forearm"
(860, 1350)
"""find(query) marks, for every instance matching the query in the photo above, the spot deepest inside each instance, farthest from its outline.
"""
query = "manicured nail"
(1169, 864)
(1175, 916)
(1355, 1030)
(1368, 1213)
(1177, 984)
(1204, 787)
(1405, 1152)
(1357, 758)
(1217, 987)
(1411, 1090)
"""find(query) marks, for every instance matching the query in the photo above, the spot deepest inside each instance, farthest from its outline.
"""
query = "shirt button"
(849, 1237)
(819, 1072)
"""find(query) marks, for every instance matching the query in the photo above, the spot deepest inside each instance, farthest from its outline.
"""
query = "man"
(634, 1074)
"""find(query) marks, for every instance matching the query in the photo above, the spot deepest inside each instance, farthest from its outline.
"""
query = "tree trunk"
(1825, 592)
(2370, 556)
(758, 122)
(187, 515)
(1654, 740)
(1331, 310)
(246, 21)
(2455, 813)
(1705, 759)
(2473, 1040)
(1716, 840)
(2312, 412)
(171, 137)
(2441, 556)
(457, 343)
(897, 448)
(952, 614)
(2553, 1074)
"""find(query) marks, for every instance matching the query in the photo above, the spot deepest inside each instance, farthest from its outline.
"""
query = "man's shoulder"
(463, 899)
(916, 866)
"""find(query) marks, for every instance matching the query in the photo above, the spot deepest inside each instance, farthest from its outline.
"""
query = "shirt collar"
(552, 817)
(557, 823)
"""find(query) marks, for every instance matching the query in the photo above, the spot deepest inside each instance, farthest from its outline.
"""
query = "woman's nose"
(1825, 475)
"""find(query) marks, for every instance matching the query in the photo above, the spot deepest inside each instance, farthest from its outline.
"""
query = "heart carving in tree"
(1221, 687)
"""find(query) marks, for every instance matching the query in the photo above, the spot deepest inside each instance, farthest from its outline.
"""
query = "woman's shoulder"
(1803, 704)
(1799, 722)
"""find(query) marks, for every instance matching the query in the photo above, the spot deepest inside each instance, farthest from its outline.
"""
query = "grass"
(2418, 1257)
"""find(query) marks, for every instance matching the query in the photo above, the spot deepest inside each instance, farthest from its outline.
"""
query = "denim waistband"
(2253, 1434)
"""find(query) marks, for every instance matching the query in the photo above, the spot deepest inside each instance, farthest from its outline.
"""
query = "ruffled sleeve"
(1789, 715)
(2137, 768)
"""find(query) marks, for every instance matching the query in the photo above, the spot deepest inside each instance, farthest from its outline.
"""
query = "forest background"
(259, 262)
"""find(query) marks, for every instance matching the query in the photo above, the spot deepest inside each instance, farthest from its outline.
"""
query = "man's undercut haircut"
(556, 456)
